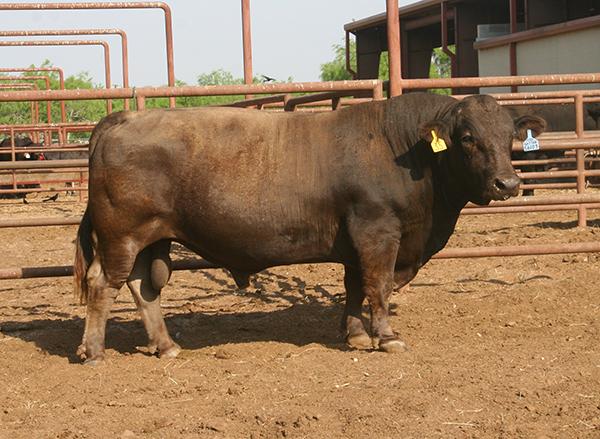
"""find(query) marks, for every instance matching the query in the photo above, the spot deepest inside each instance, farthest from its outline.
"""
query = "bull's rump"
(240, 187)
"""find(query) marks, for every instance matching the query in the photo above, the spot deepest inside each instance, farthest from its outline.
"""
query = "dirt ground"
(499, 347)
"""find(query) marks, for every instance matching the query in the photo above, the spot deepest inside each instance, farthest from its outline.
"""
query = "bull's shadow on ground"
(299, 324)
(565, 225)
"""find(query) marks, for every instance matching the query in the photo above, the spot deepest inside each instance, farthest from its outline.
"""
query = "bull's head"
(479, 135)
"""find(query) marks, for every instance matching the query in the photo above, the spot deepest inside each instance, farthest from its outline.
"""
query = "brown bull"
(250, 190)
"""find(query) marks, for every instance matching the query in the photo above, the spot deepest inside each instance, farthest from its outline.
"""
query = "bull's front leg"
(377, 245)
(353, 328)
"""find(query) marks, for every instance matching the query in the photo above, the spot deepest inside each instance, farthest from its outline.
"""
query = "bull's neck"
(404, 115)
(449, 195)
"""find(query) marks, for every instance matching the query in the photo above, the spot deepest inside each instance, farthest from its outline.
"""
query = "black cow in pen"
(21, 142)
(558, 117)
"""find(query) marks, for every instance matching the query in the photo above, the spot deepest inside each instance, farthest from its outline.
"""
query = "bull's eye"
(467, 138)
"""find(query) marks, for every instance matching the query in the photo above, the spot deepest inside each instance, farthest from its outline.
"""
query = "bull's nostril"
(500, 185)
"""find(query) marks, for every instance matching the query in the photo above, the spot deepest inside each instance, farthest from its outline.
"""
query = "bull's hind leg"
(104, 283)
(352, 324)
(145, 283)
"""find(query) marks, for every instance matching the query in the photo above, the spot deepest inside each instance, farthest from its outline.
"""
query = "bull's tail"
(84, 253)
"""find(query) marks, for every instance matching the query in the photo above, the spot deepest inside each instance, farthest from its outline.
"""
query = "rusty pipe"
(31, 86)
(580, 159)
(525, 209)
(70, 32)
(118, 5)
(444, 31)
(72, 43)
(394, 48)
(349, 68)
(207, 90)
(61, 81)
(449, 253)
(44, 78)
(247, 43)
(494, 81)
(512, 55)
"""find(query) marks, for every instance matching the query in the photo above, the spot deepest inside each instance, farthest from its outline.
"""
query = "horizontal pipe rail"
(72, 32)
(518, 250)
(61, 80)
(37, 222)
(45, 164)
(526, 209)
(103, 44)
(545, 201)
(292, 102)
(450, 253)
(190, 90)
(113, 5)
(258, 101)
(494, 81)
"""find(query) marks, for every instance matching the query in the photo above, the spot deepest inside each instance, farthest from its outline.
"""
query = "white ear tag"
(530, 143)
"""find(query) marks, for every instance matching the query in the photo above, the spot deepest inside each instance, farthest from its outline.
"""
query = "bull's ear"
(536, 124)
(439, 127)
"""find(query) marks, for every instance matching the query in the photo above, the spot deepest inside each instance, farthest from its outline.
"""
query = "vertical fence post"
(13, 157)
(140, 103)
(247, 43)
(393, 38)
(580, 159)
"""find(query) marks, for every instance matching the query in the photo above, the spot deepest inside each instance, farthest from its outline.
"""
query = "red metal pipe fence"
(72, 43)
(61, 80)
(44, 78)
(118, 5)
(578, 141)
(35, 111)
(70, 32)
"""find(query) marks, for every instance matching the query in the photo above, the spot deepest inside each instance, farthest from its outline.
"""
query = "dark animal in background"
(360, 186)
(6, 156)
(558, 117)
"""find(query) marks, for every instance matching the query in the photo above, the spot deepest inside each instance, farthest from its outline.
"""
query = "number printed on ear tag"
(437, 144)
(530, 143)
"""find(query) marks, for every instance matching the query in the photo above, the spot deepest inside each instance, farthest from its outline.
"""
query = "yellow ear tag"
(437, 144)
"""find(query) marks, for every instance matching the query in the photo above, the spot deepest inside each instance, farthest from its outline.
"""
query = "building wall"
(574, 52)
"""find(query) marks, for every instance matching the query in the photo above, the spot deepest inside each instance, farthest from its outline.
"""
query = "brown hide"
(249, 189)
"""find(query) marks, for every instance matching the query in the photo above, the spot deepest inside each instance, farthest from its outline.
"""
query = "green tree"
(336, 70)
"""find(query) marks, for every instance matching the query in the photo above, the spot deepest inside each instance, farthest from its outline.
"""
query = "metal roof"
(375, 20)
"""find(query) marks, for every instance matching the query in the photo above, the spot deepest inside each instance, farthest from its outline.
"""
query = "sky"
(290, 39)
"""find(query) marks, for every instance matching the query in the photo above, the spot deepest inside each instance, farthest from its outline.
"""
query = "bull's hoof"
(359, 341)
(393, 346)
(81, 351)
(89, 360)
(97, 361)
(170, 352)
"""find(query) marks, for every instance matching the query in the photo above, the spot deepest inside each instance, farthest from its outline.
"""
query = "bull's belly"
(255, 245)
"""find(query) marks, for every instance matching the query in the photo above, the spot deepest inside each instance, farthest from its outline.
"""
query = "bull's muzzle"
(506, 186)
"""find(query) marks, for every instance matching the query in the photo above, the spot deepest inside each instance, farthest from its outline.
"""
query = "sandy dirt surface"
(499, 347)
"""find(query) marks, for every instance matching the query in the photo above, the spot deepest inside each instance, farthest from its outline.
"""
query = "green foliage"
(336, 70)
(76, 111)
(92, 111)
(441, 67)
